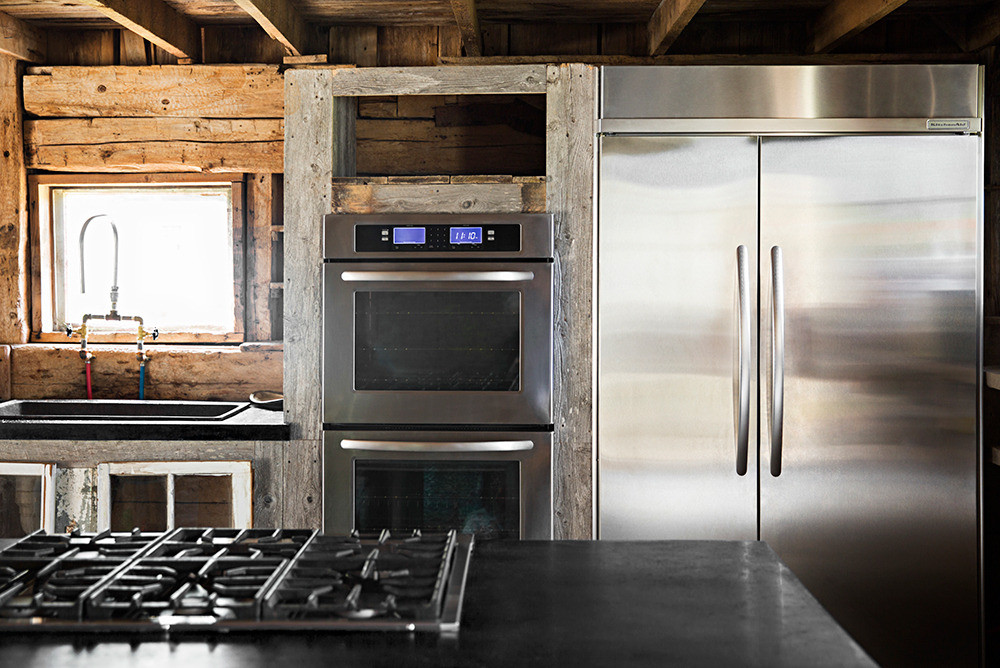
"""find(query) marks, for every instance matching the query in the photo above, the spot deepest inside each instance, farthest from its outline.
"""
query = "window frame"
(240, 471)
(47, 472)
(41, 238)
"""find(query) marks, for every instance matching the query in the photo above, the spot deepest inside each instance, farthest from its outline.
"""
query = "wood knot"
(102, 88)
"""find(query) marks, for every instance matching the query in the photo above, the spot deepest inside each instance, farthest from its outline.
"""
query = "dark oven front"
(491, 484)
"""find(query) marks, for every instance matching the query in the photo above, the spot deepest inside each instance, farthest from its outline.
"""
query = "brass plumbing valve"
(140, 353)
(85, 354)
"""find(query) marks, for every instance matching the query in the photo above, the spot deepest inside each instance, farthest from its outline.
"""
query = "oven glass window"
(480, 498)
(459, 341)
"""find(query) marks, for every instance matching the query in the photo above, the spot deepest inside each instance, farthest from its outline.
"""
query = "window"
(157, 496)
(27, 499)
(179, 263)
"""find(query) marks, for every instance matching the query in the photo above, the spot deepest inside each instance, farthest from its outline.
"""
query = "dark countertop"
(250, 424)
(561, 603)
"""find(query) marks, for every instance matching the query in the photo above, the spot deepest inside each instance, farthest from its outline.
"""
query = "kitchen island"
(685, 603)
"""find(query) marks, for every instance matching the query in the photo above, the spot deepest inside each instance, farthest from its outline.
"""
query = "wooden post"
(13, 209)
(571, 164)
(260, 197)
(319, 144)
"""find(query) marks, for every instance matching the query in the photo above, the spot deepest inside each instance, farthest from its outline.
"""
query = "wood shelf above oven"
(439, 194)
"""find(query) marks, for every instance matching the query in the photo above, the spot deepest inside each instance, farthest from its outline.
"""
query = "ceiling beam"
(983, 27)
(282, 22)
(667, 22)
(468, 24)
(21, 40)
(842, 19)
(155, 21)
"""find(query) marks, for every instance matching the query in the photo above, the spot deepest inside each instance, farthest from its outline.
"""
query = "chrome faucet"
(83, 272)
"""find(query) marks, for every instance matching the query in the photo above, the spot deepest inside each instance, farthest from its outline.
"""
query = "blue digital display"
(466, 235)
(409, 235)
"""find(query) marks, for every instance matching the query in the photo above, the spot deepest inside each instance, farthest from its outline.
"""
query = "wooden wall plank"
(229, 373)
(468, 24)
(842, 19)
(554, 38)
(496, 79)
(571, 166)
(239, 44)
(83, 454)
(354, 45)
(319, 143)
(21, 41)
(259, 196)
(67, 131)
(282, 22)
(443, 198)
(5, 393)
(82, 47)
(156, 21)
(132, 49)
(407, 46)
(167, 156)
(13, 209)
(402, 147)
(268, 484)
(211, 91)
(670, 18)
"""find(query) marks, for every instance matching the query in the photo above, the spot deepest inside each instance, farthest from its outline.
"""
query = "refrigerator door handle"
(777, 358)
(741, 383)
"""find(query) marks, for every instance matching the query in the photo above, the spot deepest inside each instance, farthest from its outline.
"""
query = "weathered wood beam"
(156, 21)
(570, 171)
(20, 40)
(13, 209)
(282, 22)
(842, 19)
(260, 198)
(668, 20)
(194, 91)
(491, 80)
(468, 24)
(983, 27)
(443, 198)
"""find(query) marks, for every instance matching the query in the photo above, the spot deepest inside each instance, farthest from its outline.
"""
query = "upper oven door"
(433, 343)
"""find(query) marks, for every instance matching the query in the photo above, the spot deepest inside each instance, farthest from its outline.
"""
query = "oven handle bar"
(437, 446)
(457, 276)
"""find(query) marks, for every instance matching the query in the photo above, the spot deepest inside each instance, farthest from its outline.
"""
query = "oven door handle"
(437, 446)
(457, 276)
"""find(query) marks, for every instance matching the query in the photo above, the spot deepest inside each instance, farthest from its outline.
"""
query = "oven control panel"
(437, 238)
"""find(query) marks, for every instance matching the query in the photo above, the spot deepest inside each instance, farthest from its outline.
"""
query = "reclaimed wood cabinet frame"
(320, 113)
(47, 497)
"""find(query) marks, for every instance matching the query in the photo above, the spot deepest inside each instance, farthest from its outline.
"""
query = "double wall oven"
(437, 373)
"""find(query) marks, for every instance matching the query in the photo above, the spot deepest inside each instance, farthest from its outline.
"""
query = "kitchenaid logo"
(950, 125)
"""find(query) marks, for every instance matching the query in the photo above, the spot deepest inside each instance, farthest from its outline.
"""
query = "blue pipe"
(142, 380)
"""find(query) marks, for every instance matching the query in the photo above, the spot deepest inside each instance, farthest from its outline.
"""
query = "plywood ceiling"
(67, 13)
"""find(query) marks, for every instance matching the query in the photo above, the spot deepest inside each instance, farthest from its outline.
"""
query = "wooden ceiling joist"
(468, 24)
(21, 40)
(842, 19)
(155, 21)
(667, 22)
(282, 22)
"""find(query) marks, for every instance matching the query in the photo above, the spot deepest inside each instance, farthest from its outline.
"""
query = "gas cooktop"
(231, 579)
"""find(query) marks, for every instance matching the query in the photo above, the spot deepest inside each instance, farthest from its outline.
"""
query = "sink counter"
(251, 423)
(561, 603)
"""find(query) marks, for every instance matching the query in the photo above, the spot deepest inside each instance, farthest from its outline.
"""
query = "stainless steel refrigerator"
(789, 306)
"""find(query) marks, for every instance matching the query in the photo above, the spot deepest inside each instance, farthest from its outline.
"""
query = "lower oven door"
(491, 484)
(437, 343)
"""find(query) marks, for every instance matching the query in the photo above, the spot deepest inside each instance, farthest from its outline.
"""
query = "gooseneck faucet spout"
(83, 272)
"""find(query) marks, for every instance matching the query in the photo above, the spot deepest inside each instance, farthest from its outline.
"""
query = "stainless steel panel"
(791, 91)
(343, 404)
(875, 507)
(536, 234)
(535, 470)
(788, 126)
(673, 212)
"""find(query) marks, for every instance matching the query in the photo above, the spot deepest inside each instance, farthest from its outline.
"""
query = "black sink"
(110, 409)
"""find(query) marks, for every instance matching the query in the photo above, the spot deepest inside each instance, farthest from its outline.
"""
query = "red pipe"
(90, 391)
